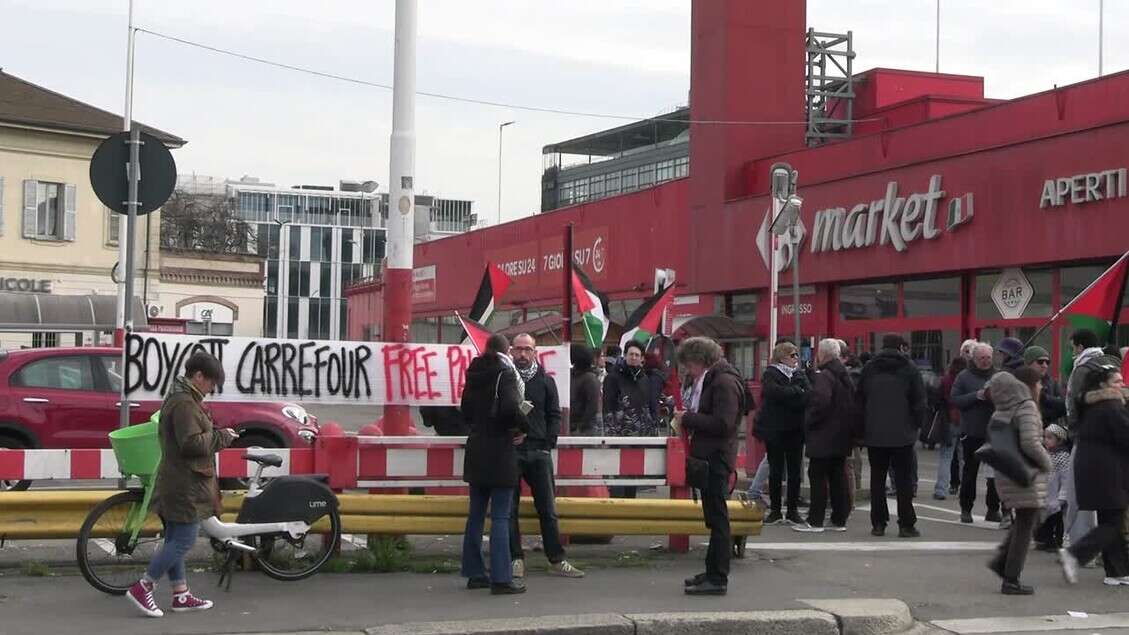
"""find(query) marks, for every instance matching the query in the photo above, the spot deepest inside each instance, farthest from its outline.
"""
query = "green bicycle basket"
(138, 448)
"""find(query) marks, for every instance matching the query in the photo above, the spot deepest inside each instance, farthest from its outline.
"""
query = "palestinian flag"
(493, 287)
(593, 307)
(1097, 308)
(645, 322)
(494, 284)
(476, 333)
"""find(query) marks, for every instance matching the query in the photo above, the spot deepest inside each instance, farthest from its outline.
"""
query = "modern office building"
(317, 240)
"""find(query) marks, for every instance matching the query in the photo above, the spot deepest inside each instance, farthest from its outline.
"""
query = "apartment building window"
(682, 167)
(44, 340)
(49, 210)
(112, 227)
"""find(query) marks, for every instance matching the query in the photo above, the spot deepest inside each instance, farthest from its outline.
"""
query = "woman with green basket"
(185, 491)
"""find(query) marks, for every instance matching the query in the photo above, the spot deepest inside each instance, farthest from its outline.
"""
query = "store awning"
(35, 312)
(718, 327)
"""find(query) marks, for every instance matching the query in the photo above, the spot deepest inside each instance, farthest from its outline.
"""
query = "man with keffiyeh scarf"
(535, 461)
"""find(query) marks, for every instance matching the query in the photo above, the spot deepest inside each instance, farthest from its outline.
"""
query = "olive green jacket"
(186, 490)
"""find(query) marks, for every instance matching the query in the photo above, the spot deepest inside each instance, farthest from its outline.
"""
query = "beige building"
(219, 294)
(59, 243)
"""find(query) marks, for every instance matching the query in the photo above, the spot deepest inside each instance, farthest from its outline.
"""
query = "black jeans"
(1051, 531)
(954, 467)
(1012, 552)
(828, 475)
(881, 460)
(536, 467)
(715, 510)
(969, 445)
(1107, 539)
(786, 451)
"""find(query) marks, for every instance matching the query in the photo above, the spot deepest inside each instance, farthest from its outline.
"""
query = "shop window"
(936, 297)
(1076, 279)
(742, 355)
(868, 301)
(743, 307)
(1044, 339)
(932, 351)
(1039, 306)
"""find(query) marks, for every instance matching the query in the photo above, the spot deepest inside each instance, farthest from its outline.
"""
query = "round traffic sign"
(109, 173)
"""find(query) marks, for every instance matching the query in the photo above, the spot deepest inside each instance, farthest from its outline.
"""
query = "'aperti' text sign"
(317, 371)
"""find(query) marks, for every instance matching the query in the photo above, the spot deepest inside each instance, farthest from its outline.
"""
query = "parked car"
(69, 398)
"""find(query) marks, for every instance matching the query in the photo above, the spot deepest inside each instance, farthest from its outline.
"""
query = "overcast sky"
(624, 57)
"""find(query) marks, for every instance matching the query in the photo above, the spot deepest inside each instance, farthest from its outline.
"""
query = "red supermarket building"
(936, 198)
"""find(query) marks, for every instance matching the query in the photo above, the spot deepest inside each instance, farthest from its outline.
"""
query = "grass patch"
(36, 569)
(388, 553)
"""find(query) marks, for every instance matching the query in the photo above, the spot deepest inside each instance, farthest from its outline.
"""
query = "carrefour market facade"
(938, 199)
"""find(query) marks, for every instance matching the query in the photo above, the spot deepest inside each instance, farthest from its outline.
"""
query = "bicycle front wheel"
(108, 557)
(284, 558)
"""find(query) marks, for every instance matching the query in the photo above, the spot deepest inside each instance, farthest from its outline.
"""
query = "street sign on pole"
(109, 173)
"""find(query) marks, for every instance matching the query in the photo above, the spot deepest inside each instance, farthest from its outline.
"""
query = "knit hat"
(1058, 432)
(1035, 352)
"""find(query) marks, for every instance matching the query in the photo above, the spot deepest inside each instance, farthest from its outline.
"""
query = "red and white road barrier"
(438, 461)
(378, 461)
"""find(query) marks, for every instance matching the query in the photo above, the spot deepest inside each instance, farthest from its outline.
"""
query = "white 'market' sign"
(893, 219)
(318, 371)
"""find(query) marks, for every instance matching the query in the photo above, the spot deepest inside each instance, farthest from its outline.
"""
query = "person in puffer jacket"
(1016, 397)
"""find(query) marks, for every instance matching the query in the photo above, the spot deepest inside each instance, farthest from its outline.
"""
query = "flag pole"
(1059, 313)
(550, 327)
(566, 313)
(469, 338)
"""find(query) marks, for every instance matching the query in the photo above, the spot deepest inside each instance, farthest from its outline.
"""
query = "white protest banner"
(318, 371)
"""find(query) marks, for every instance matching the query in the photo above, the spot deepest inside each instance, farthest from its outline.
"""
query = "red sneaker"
(141, 596)
(183, 602)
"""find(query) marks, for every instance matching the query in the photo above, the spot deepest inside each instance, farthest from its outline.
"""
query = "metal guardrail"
(59, 514)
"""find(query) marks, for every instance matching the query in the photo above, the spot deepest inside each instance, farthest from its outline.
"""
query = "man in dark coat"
(827, 432)
(584, 400)
(535, 460)
(891, 400)
(712, 422)
(1052, 401)
(970, 397)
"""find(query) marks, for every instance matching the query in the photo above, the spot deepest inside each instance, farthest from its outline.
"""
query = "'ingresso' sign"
(317, 371)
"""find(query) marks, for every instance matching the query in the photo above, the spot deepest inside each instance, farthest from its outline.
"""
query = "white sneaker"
(837, 528)
(807, 529)
(1069, 566)
(565, 570)
(518, 570)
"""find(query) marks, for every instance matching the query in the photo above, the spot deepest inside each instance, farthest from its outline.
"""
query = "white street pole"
(938, 39)
(127, 117)
(500, 127)
(401, 199)
(1101, 34)
(774, 278)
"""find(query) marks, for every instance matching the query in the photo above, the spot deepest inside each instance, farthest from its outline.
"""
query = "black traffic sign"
(109, 173)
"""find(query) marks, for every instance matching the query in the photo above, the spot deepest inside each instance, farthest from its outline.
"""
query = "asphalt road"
(941, 576)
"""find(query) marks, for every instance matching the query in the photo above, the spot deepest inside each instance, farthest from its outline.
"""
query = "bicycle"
(290, 527)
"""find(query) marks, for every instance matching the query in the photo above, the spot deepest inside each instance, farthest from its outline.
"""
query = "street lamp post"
(500, 127)
(785, 218)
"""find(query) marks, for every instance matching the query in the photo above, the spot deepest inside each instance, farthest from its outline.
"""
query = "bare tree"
(204, 222)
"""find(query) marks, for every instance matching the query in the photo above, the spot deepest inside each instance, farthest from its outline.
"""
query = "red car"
(69, 398)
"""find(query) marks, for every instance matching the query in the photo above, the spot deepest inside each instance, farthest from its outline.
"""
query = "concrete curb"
(827, 617)
(866, 617)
